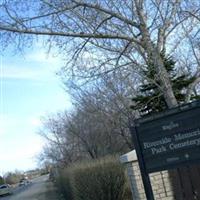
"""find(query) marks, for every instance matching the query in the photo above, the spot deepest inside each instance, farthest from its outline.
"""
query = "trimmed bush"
(64, 183)
(96, 180)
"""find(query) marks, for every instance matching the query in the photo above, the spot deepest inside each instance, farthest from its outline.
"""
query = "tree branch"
(75, 35)
(191, 88)
(116, 15)
(193, 15)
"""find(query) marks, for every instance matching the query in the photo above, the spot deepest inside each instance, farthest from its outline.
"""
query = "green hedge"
(96, 180)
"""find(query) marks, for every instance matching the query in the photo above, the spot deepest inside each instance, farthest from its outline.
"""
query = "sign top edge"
(168, 112)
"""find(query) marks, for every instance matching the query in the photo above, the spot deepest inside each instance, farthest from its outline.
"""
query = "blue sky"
(29, 90)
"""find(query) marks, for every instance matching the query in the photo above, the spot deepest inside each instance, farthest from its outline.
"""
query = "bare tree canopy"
(98, 126)
(101, 36)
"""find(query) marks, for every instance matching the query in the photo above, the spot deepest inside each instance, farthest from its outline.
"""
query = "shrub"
(2, 180)
(96, 180)
(63, 181)
(13, 177)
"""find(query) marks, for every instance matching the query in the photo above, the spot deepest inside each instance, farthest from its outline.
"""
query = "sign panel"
(170, 139)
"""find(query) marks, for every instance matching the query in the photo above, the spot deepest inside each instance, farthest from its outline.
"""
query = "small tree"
(151, 99)
(13, 177)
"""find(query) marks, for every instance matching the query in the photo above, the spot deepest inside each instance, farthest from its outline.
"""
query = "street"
(40, 189)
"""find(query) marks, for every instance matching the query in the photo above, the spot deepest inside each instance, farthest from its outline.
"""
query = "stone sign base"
(160, 180)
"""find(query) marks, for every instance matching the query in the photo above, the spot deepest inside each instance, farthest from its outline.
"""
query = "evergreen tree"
(151, 99)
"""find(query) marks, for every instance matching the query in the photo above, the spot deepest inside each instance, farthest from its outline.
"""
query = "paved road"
(40, 189)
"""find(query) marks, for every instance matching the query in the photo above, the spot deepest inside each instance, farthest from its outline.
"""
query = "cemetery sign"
(169, 139)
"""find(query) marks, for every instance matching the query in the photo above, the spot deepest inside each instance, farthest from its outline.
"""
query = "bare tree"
(59, 148)
(103, 36)
(99, 124)
(110, 96)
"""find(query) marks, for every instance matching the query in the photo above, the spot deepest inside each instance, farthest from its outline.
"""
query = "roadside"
(52, 193)
(40, 189)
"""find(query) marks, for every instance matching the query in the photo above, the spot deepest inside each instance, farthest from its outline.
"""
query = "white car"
(5, 189)
(24, 182)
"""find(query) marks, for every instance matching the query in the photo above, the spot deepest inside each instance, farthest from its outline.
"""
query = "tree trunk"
(164, 80)
(184, 183)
